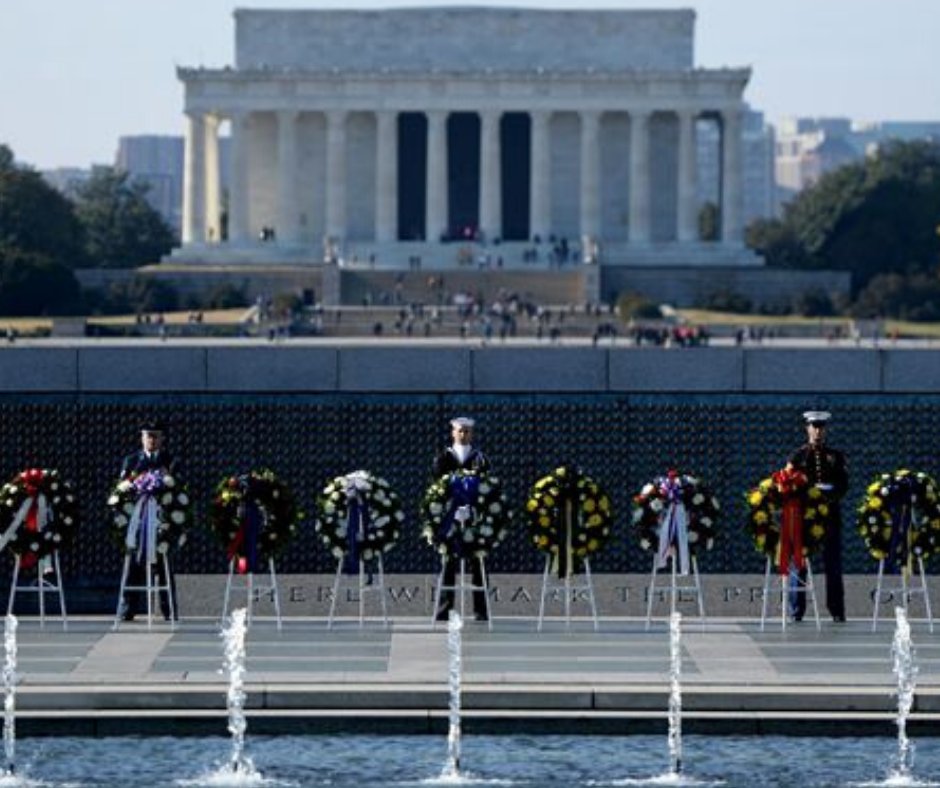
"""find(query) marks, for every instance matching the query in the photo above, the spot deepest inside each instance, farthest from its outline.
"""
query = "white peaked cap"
(811, 416)
(462, 421)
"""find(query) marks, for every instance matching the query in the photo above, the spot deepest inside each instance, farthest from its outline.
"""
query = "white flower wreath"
(366, 503)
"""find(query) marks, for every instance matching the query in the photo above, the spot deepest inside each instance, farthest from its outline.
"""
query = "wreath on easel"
(570, 517)
(38, 514)
(777, 496)
(255, 515)
(465, 514)
(359, 516)
(151, 494)
(899, 518)
(657, 513)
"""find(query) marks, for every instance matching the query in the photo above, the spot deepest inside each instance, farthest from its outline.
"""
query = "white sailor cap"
(817, 416)
(462, 421)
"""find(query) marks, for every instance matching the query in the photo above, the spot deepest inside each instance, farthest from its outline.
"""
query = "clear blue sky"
(77, 74)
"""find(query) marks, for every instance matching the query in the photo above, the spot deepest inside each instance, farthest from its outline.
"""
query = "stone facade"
(354, 131)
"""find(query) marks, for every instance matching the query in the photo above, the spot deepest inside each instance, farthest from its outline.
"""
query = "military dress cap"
(462, 421)
(817, 416)
(152, 426)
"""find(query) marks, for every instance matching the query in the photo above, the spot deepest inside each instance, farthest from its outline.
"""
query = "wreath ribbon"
(246, 539)
(674, 531)
(35, 514)
(463, 494)
(674, 525)
(142, 528)
(790, 545)
(357, 521)
(900, 556)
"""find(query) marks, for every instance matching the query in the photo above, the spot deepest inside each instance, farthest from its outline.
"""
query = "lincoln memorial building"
(518, 139)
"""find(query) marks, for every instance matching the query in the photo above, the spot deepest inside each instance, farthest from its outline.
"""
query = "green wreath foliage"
(490, 514)
(383, 521)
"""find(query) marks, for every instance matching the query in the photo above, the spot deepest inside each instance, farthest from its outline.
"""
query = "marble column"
(731, 174)
(194, 179)
(239, 231)
(437, 214)
(540, 178)
(386, 177)
(336, 175)
(213, 181)
(687, 209)
(491, 210)
(288, 208)
(639, 177)
(590, 175)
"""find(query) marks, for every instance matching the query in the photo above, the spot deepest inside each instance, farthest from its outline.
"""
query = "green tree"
(873, 217)
(31, 284)
(36, 222)
(122, 228)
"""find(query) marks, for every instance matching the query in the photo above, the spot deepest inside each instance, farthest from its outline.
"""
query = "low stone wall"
(248, 366)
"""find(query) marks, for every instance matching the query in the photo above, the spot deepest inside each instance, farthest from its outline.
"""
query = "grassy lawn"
(215, 317)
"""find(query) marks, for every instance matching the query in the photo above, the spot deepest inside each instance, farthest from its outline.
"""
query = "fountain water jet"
(675, 694)
(902, 650)
(234, 638)
(9, 694)
(454, 645)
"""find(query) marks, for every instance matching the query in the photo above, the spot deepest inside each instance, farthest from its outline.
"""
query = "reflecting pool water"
(359, 760)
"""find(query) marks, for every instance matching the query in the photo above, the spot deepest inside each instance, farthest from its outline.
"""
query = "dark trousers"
(446, 603)
(135, 602)
(835, 590)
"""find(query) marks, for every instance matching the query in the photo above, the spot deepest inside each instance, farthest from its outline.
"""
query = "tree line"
(105, 222)
(878, 218)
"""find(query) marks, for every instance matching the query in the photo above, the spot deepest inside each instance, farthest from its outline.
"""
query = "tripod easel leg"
(548, 562)
(590, 590)
(486, 593)
(698, 591)
(123, 591)
(170, 596)
(58, 579)
(650, 592)
(923, 581)
(275, 594)
(876, 603)
(812, 591)
(765, 597)
(438, 599)
(16, 574)
(382, 591)
(335, 596)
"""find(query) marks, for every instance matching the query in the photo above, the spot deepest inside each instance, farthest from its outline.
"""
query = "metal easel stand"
(152, 588)
(460, 587)
(906, 593)
(807, 586)
(253, 591)
(569, 586)
(365, 586)
(42, 586)
(674, 589)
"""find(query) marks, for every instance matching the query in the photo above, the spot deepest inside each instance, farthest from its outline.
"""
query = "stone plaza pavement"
(90, 679)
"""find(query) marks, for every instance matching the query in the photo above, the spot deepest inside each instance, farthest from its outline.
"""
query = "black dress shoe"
(442, 615)
(839, 619)
(480, 617)
(127, 617)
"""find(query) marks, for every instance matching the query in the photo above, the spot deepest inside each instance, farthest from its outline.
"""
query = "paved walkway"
(569, 676)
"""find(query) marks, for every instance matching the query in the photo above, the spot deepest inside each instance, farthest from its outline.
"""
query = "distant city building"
(809, 147)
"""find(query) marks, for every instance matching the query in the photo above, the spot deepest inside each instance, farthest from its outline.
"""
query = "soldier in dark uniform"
(460, 455)
(152, 456)
(825, 467)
